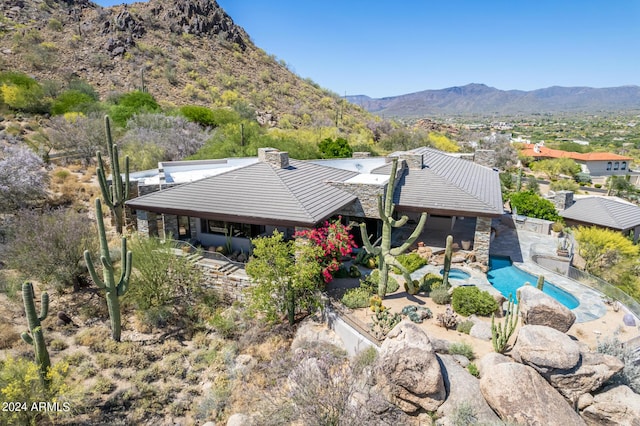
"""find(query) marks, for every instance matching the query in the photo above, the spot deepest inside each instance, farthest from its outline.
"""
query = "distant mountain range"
(480, 99)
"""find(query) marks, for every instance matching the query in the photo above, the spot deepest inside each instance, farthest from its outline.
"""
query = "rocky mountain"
(181, 51)
(479, 99)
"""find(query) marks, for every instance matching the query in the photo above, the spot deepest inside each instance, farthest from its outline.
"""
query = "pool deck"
(517, 245)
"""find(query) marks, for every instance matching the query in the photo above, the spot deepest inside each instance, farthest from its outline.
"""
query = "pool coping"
(590, 308)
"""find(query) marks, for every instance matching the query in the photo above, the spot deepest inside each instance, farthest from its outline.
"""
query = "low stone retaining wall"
(231, 287)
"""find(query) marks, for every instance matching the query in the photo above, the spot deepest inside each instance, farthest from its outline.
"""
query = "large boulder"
(538, 308)
(593, 370)
(490, 359)
(618, 405)
(311, 331)
(520, 395)
(462, 387)
(545, 348)
(408, 371)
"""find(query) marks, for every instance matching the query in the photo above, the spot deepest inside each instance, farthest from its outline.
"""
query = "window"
(240, 230)
(609, 165)
(616, 165)
(184, 228)
(623, 166)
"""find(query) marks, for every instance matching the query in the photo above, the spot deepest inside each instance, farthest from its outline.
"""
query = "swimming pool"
(507, 278)
(456, 274)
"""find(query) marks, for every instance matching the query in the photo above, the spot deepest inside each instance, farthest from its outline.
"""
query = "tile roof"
(605, 212)
(448, 183)
(295, 196)
(545, 152)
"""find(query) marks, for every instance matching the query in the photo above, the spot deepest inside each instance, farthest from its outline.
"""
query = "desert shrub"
(430, 282)
(470, 300)
(440, 296)
(103, 386)
(462, 348)
(132, 103)
(20, 92)
(564, 185)
(8, 336)
(207, 117)
(20, 383)
(473, 369)
(75, 358)
(464, 326)
(49, 246)
(630, 374)
(356, 297)
(464, 415)
(227, 322)
(371, 282)
(411, 261)
(23, 178)
(597, 185)
(58, 345)
(71, 101)
(582, 178)
(77, 134)
(363, 359)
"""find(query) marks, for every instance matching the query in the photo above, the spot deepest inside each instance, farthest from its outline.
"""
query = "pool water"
(507, 278)
(456, 274)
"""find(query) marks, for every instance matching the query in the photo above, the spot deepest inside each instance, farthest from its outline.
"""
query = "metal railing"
(608, 290)
(179, 244)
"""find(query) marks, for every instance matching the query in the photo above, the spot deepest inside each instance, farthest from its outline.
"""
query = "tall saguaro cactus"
(386, 254)
(115, 196)
(448, 251)
(36, 338)
(113, 289)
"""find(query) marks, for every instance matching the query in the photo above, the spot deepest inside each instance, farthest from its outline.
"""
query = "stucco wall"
(599, 168)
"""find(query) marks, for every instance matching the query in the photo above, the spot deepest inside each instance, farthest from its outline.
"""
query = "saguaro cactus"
(112, 289)
(540, 283)
(114, 196)
(447, 261)
(386, 254)
(36, 338)
(500, 333)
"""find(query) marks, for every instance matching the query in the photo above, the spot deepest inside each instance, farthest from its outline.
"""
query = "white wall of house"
(605, 168)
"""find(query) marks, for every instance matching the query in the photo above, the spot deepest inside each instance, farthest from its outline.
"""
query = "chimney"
(563, 200)
(273, 157)
(413, 161)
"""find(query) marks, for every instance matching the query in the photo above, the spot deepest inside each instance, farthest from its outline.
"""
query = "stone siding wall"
(230, 287)
(147, 223)
(482, 239)
(170, 222)
(367, 203)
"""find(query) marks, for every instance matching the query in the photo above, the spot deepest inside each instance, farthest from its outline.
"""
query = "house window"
(609, 165)
(623, 166)
(184, 228)
(616, 165)
(240, 230)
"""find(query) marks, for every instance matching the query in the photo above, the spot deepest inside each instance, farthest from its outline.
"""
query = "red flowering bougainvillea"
(335, 240)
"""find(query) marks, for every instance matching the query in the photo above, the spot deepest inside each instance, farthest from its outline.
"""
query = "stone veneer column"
(193, 222)
(482, 239)
(170, 222)
(147, 223)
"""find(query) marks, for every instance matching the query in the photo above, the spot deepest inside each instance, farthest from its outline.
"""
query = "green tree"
(564, 185)
(555, 167)
(335, 148)
(603, 248)
(530, 204)
(286, 277)
(71, 101)
(132, 103)
(620, 186)
(21, 92)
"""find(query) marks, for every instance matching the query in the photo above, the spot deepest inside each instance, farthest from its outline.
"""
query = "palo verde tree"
(386, 254)
(113, 290)
(603, 248)
(286, 275)
(116, 194)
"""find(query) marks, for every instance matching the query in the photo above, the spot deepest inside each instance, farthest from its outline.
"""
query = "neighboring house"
(606, 212)
(594, 163)
(253, 196)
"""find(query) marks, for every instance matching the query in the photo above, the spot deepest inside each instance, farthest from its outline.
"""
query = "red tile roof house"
(257, 195)
(594, 163)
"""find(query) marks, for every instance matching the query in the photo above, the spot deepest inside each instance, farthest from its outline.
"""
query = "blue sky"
(392, 48)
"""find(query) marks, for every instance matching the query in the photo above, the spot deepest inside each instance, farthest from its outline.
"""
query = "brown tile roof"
(545, 152)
